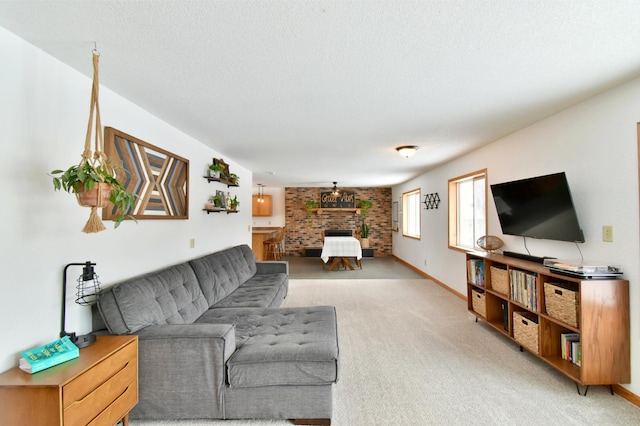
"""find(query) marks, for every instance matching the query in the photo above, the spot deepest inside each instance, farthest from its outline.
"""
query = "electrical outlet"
(607, 234)
(192, 243)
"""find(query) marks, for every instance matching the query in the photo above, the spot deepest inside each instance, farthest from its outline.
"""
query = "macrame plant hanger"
(97, 158)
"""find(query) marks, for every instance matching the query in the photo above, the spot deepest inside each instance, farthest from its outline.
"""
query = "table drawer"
(85, 384)
(114, 412)
(121, 385)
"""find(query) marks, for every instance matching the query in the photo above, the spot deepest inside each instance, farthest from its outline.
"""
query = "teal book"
(45, 356)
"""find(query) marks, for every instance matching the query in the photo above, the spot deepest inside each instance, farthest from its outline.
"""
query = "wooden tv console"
(602, 306)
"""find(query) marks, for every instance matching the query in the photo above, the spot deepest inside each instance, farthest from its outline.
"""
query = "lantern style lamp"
(86, 293)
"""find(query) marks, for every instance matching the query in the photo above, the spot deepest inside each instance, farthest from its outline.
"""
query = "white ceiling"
(304, 93)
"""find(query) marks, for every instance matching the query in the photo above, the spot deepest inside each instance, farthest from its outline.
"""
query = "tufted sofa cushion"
(221, 273)
(169, 296)
(280, 346)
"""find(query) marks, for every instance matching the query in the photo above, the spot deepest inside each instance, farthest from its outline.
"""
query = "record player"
(582, 269)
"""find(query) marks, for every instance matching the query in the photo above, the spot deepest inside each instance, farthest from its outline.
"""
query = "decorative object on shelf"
(431, 201)
(310, 205)
(222, 199)
(224, 172)
(489, 243)
(158, 178)
(94, 180)
(234, 179)
(216, 200)
(234, 203)
(364, 206)
(215, 170)
(86, 293)
(407, 150)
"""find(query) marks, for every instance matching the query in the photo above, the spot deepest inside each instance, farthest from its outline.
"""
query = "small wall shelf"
(337, 210)
(219, 210)
(222, 181)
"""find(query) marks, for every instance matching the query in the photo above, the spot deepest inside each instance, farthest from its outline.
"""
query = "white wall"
(44, 110)
(595, 143)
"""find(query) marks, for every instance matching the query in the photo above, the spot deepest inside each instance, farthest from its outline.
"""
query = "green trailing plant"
(310, 205)
(234, 178)
(84, 177)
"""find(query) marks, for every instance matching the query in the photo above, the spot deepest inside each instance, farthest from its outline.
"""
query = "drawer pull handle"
(558, 292)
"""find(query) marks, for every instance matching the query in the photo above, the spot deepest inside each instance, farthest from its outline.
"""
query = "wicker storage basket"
(499, 280)
(525, 330)
(479, 303)
(562, 303)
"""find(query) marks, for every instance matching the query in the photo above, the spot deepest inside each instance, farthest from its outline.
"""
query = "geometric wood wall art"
(158, 178)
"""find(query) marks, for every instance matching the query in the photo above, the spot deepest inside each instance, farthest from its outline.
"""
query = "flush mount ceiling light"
(407, 150)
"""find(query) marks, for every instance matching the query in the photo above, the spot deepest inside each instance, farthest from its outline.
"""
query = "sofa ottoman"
(284, 354)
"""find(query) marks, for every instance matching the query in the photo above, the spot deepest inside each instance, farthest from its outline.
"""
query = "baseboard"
(429, 277)
(626, 394)
(618, 389)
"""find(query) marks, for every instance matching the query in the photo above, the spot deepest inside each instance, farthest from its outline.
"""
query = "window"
(411, 214)
(467, 210)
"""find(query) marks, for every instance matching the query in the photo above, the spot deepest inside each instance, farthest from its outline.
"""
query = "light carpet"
(411, 354)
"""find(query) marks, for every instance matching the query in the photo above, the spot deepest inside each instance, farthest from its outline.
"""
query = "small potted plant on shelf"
(364, 206)
(95, 187)
(234, 203)
(215, 202)
(234, 179)
(214, 170)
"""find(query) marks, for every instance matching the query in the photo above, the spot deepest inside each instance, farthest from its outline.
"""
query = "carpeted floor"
(412, 355)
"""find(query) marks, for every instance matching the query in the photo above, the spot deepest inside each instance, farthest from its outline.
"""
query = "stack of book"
(570, 346)
(475, 271)
(524, 288)
(45, 356)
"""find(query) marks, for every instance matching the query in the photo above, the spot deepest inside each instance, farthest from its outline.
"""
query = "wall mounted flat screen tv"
(538, 207)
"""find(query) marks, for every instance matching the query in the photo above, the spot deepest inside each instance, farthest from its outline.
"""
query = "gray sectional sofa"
(214, 343)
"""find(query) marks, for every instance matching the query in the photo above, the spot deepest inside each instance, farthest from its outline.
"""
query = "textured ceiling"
(304, 93)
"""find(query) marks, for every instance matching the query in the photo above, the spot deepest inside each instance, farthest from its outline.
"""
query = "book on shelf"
(48, 355)
(570, 347)
(476, 272)
(524, 288)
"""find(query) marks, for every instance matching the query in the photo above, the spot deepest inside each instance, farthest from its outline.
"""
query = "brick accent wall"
(300, 235)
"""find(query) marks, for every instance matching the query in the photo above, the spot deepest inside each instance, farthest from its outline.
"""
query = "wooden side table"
(98, 388)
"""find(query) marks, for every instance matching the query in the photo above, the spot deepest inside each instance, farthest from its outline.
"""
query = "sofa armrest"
(272, 267)
(182, 370)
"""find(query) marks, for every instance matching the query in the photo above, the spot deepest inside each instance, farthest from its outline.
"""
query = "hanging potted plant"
(310, 206)
(364, 206)
(93, 180)
(95, 187)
